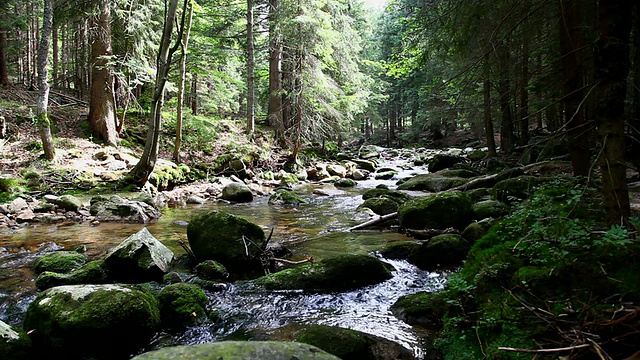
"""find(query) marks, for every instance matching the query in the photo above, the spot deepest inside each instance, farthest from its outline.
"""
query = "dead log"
(375, 221)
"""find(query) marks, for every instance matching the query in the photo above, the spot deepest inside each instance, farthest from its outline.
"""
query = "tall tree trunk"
(612, 68)
(507, 139)
(102, 109)
(4, 72)
(44, 125)
(251, 86)
(488, 121)
(143, 169)
(55, 56)
(275, 74)
(524, 92)
(184, 45)
(194, 94)
(572, 70)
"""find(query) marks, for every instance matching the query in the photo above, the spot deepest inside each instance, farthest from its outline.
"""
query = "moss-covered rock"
(286, 197)
(182, 305)
(399, 250)
(441, 251)
(237, 192)
(351, 344)
(99, 321)
(139, 258)
(458, 173)
(345, 183)
(226, 238)
(474, 232)
(60, 262)
(443, 161)
(431, 182)
(340, 273)
(166, 174)
(116, 208)
(479, 194)
(436, 211)
(397, 196)
(489, 209)
(380, 205)
(14, 345)
(228, 350)
(385, 175)
(211, 270)
(515, 189)
(421, 308)
(94, 272)
(365, 164)
(69, 202)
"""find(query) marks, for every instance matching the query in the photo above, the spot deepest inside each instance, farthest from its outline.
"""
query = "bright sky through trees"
(376, 4)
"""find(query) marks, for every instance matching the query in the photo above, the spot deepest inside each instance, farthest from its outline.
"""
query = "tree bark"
(488, 121)
(572, 70)
(251, 86)
(612, 68)
(183, 73)
(275, 74)
(102, 108)
(142, 171)
(524, 92)
(194, 94)
(44, 125)
(4, 73)
(507, 139)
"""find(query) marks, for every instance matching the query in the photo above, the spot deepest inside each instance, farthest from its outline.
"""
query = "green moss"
(340, 273)
(60, 262)
(211, 270)
(182, 304)
(343, 343)
(424, 308)
(436, 211)
(380, 205)
(285, 197)
(397, 196)
(94, 272)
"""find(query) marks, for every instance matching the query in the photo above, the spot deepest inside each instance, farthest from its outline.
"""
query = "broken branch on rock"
(375, 221)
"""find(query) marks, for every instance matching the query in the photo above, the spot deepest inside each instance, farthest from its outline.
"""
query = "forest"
(496, 144)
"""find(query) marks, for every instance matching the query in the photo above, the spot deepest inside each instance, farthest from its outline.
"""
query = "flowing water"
(317, 229)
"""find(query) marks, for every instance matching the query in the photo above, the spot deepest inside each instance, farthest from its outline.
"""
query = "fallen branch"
(289, 262)
(545, 351)
(375, 221)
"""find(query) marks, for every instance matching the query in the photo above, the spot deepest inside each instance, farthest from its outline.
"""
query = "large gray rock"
(119, 209)
(228, 239)
(69, 202)
(240, 350)
(91, 321)
(237, 192)
(139, 258)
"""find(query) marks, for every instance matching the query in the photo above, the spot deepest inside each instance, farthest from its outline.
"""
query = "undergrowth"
(548, 276)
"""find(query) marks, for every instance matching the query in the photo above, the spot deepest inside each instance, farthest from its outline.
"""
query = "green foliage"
(539, 270)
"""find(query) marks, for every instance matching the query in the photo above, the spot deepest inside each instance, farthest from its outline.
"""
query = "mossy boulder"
(477, 195)
(421, 308)
(399, 250)
(14, 345)
(380, 205)
(340, 273)
(385, 175)
(458, 173)
(182, 305)
(211, 270)
(139, 258)
(441, 251)
(397, 196)
(345, 183)
(285, 197)
(443, 161)
(228, 350)
(69, 202)
(94, 272)
(237, 192)
(351, 344)
(473, 232)
(489, 209)
(99, 321)
(431, 182)
(436, 211)
(60, 262)
(515, 189)
(166, 174)
(365, 164)
(226, 238)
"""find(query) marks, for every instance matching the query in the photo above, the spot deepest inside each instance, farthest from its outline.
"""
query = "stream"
(317, 229)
